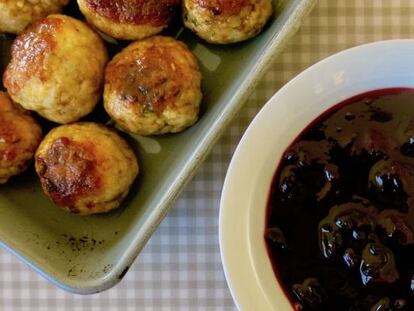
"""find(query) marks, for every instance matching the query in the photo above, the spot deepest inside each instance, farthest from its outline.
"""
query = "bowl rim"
(237, 243)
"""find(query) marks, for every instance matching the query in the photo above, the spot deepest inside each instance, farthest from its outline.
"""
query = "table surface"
(180, 267)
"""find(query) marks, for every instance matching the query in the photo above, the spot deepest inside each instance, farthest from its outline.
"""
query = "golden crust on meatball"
(16, 15)
(85, 167)
(57, 69)
(153, 87)
(226, 21)
(19, 137)
(129, 19)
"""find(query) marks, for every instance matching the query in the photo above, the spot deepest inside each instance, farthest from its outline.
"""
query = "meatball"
(129, 19)
(15, 15)
(224, 21)
(85, 167)
(57, 69)
(19, 137)
(153, 87)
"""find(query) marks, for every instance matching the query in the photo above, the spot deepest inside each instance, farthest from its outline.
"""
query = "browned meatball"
(19, 137)
(57, 69)
(129, 19)
(86, 167)
(153, 87)
(226, 21)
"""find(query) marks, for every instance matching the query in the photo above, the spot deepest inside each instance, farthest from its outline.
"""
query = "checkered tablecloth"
(180, 268)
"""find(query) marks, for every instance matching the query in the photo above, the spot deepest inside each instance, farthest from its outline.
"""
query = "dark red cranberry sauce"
(340, 226)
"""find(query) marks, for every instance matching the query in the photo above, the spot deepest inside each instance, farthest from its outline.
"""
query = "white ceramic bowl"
(245, 260)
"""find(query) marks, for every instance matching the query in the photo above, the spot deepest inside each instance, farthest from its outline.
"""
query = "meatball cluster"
(16, 15)
(216, 21)
(19, 137)
(60, 70)
(57, 70)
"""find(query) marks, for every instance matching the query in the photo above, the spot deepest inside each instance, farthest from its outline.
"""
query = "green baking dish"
(86, 255)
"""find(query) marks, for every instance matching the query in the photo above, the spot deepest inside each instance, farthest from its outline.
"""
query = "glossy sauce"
(340, 227)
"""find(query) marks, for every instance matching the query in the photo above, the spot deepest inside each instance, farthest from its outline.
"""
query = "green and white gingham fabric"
(180, 268)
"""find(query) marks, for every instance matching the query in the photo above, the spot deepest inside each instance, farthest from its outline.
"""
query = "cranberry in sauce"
(340, 227)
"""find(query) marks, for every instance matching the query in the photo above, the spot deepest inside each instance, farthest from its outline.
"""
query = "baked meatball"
(153, 87)
(19, 137)
(85, 167)
(57, 69)
(16, 15)
(226, 21)
(129, 19)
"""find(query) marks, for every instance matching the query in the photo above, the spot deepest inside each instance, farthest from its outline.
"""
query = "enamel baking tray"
(86, 255)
